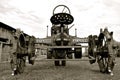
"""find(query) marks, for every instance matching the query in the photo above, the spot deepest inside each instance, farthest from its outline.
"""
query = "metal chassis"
(56, 47)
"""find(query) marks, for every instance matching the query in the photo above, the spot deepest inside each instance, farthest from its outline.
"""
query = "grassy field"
(74, 70)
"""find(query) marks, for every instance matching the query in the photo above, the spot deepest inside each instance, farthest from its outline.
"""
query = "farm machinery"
(61, 45)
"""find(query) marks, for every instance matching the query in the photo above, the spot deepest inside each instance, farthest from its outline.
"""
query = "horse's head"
(108, 35)
(17, 33)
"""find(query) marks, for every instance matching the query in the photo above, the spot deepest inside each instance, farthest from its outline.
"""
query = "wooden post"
(0, 51)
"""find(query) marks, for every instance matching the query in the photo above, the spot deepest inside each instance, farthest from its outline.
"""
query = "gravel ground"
(74, 70)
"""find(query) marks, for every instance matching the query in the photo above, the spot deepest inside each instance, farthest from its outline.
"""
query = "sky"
(33, 16)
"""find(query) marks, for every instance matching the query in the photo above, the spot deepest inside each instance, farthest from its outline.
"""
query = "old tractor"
(62, 44)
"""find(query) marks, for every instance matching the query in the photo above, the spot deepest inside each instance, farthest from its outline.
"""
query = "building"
(6, 36)
(5, 41)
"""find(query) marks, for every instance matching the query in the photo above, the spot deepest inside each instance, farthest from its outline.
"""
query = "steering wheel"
(64, 8)
(62, 17)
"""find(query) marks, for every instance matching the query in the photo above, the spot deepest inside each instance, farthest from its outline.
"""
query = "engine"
(59, 30)
(60, 35)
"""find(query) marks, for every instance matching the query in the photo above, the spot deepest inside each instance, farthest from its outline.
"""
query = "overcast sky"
(32, 16)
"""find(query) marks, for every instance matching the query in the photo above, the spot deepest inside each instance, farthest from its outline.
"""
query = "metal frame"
(42, 47)
(64, 59)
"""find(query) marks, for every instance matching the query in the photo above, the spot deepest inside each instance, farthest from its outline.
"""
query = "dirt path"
(74, 70)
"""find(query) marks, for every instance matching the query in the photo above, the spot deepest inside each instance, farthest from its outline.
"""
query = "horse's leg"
(21, 65)
(111, 63)
(106, 64)
(13, 63)
(101, 64)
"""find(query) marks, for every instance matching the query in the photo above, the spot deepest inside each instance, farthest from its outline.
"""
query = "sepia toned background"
(32, 16)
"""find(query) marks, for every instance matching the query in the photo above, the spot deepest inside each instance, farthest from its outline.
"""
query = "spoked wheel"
(61, 8)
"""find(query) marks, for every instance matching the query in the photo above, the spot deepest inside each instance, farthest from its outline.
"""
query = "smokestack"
(47, 30)
(75, 32)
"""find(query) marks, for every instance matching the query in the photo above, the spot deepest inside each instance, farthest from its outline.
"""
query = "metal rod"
(43, 47)
(64, 59)
(63, 9)
(70, 27)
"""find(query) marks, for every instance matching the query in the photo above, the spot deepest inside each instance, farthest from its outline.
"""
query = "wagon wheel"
(20, 65)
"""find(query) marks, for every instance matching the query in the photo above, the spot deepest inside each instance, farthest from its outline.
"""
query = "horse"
(106, 52)
(18, 49)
